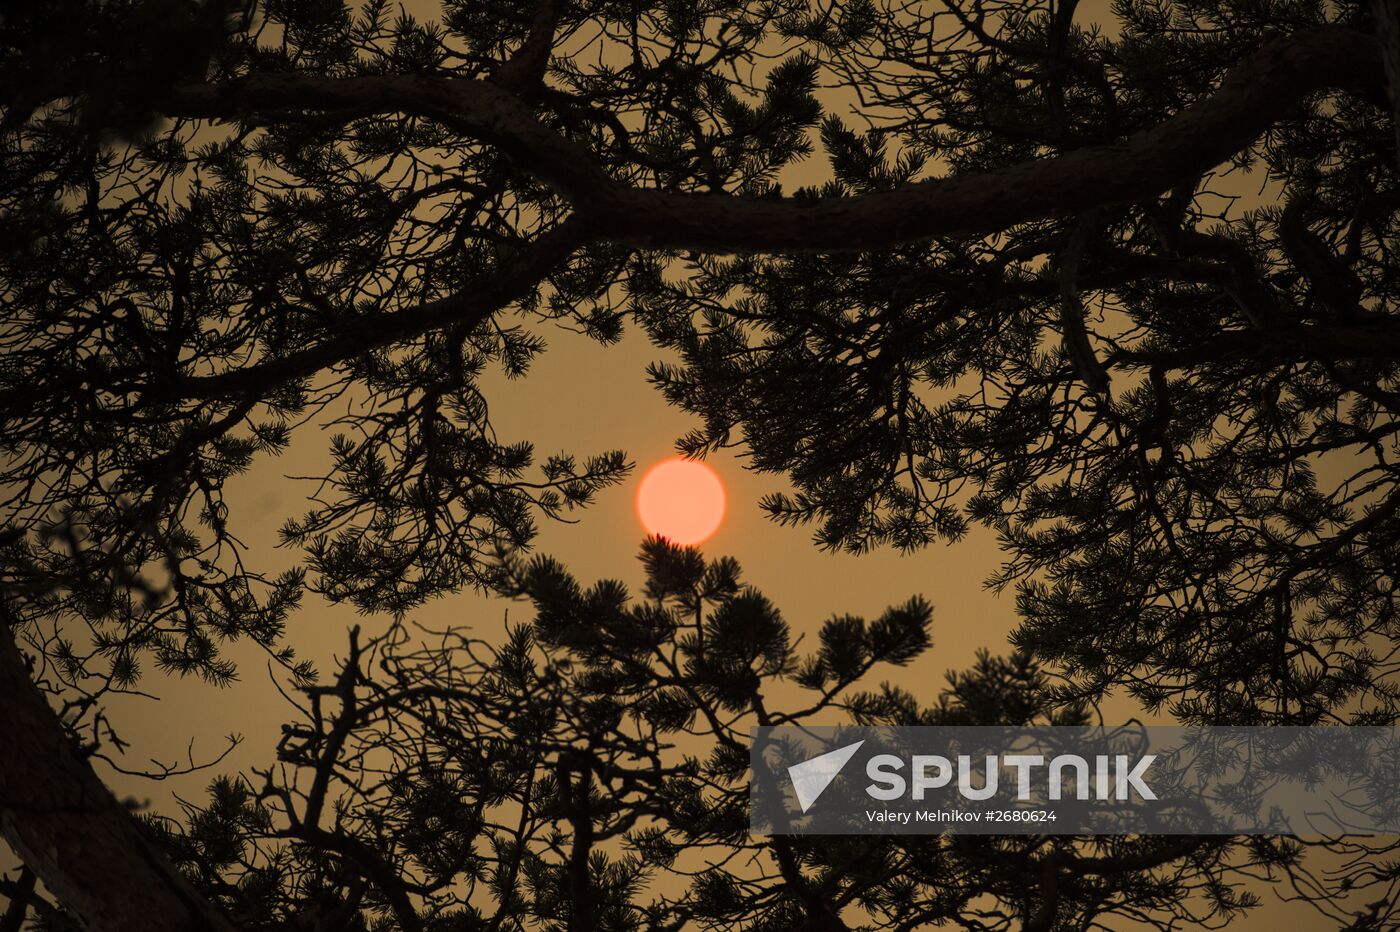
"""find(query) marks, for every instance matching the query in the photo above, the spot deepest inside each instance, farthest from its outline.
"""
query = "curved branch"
(1255, 94)
(1074, 333)
(466, 308)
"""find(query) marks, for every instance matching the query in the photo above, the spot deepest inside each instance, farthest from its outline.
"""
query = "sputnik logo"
(811, 777)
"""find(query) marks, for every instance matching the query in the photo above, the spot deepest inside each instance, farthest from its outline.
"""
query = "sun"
(681, 500)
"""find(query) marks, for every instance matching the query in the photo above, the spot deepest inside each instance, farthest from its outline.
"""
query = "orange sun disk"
(681, 500)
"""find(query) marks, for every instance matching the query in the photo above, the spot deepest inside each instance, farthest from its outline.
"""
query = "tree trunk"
(72, 832)
(1387, 13)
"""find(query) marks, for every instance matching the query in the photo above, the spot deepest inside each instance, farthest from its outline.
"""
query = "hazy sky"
(581, 398)
(584, 398)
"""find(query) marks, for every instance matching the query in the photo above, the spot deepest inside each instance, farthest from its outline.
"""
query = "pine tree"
(1029, 296)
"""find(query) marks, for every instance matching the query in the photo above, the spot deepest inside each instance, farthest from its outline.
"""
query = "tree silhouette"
(1029, 296)
(590, 772)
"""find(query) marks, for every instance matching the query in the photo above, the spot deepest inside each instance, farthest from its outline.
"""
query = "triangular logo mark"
(811, 777)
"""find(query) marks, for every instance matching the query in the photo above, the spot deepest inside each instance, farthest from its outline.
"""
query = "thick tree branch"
(384, 875)
(1253, 96)
(525, 71)
(1387, 14)
(1253, 295)
(69, 829)
(575, 799)
(1364, 341)
(1075, 334)
(465, 309)
(481, 109)
(1333, 284)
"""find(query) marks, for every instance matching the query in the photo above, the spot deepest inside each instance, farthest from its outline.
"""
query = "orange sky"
(580, 398)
